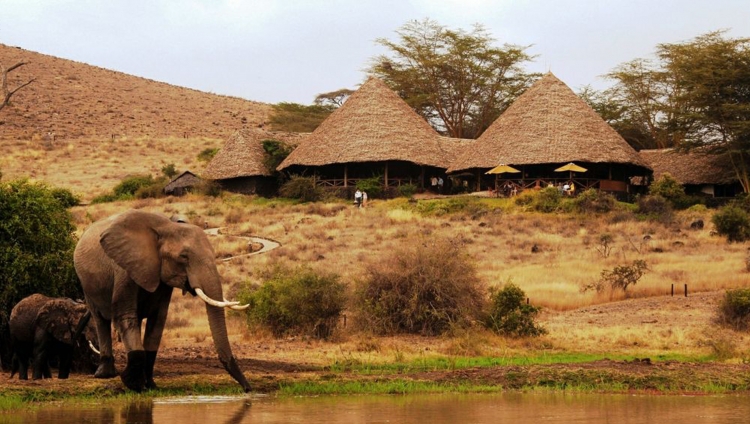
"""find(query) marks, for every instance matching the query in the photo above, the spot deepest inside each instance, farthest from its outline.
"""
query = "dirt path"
(266, 244)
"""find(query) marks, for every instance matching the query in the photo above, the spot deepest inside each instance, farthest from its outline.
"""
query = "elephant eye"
(184, 256)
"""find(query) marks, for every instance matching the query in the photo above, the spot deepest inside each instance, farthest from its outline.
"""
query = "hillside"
(75, 100)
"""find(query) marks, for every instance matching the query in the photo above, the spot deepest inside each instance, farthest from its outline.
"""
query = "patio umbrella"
(503, 169)
(571, 167)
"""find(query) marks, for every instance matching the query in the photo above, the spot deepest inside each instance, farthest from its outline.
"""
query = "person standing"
(358, 198)
(440, 185)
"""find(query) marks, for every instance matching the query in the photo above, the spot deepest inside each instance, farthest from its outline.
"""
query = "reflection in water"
(434, 409)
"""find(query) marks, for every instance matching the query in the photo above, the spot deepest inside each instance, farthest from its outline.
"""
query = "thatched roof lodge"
(374, 133)
(700, 173)
(546, 127)
(240, 165)
(182, 184)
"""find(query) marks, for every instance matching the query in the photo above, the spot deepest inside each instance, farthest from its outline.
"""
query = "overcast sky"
(292, 50)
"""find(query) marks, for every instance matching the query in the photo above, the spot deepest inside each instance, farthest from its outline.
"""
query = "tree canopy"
(457, 80)
(295, 117)
(36, 248)
(695, 95)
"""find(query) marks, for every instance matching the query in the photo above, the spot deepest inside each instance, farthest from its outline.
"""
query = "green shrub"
(469, 205)
(526, 198)
(297, 301)
(547, 200)
(619, 278)
(276, 151)
(732, 222)
(595, 201)
(169, 170)
(208, 188)
(734, 309)
(66, 198)
(129, 185)
(301, 188)
(510, 315)
(428, 288)
(407, 190)
(36, 248)
(207, 154)
(372, 186)
(654, 208)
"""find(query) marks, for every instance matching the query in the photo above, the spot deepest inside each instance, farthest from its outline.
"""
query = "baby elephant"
(42, 327)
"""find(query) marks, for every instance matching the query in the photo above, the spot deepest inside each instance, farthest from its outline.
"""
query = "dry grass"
(345, 240)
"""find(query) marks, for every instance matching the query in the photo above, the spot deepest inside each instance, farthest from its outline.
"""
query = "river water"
(516, 408)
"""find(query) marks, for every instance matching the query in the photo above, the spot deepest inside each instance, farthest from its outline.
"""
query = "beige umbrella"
(503, 169)
(571, 167)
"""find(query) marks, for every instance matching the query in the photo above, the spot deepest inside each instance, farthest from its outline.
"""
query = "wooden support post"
(686, 290)
(346, 175)
(672, 289)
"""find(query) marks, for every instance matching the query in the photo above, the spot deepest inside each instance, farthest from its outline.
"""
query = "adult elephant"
(128, 265)
(43, 327)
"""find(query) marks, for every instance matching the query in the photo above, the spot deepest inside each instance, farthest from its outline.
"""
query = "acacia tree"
(695, 96)
(333, 98)
(458, 81)
(7, 92)
(711, 76)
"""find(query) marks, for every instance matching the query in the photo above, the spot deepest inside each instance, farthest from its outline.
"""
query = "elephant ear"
(54, 318)
(132, 242)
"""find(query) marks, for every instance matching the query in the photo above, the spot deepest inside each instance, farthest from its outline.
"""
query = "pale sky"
(292, 50)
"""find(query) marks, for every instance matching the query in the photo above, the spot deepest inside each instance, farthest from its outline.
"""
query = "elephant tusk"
(91, 346)
(239, 307)
(213, 302)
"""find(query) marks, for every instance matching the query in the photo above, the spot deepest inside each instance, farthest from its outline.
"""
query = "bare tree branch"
(7, 93)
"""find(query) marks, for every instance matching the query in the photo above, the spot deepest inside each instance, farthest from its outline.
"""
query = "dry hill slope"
(74, 100)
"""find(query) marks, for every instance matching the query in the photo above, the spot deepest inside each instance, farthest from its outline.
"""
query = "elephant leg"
(134, 374)
(66, 357)
(41, 355)
(154, 329)
(106, 367)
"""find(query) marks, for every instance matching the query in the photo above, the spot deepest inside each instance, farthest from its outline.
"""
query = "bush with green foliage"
(296, 301)
(65, 197)
(372, 186)
(655, 208)
(544, 200)
(734, 309)
(595, 201)
(276, 151)
(207, 154)
(169, 170)
(134, 187)
(301, 188)
(733, 222)
(510, 315)
(36, 248)
(619, 278)
(407, 190)
(428, 287)
(295, 117)
(547, 200)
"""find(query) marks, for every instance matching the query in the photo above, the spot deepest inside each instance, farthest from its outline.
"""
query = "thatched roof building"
(182, 183)
(374, 131)
(241, 164)
(699, 172)
(548, 126)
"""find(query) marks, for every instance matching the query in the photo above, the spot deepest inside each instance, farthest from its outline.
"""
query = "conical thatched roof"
(691, 168)
(185, 180)
(243, 154)
(548, 123)
(373, 125)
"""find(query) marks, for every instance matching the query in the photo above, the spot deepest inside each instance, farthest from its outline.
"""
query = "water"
(517, 408)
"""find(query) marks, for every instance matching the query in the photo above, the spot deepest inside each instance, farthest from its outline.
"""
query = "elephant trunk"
(82, 323)
(217, 323)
